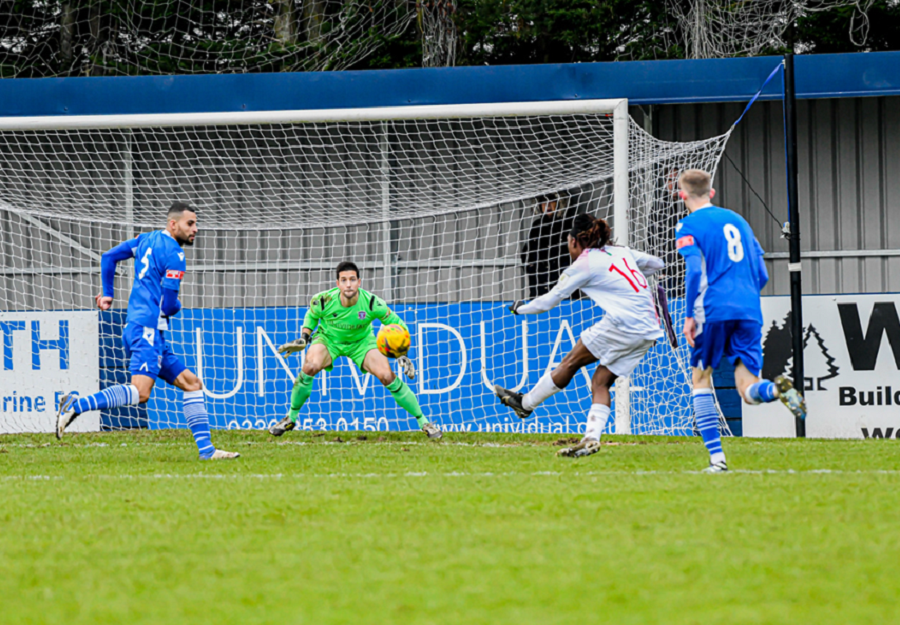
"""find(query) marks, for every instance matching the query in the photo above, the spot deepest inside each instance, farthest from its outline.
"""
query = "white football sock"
(544, 389)
(596, 421)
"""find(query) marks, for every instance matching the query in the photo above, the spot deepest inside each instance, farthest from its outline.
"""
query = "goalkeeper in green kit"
(344, 316)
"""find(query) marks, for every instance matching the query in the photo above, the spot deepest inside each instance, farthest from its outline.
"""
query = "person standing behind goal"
(616, 279)
(725, 274)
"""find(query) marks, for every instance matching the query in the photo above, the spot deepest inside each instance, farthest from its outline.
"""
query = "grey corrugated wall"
(849, 184)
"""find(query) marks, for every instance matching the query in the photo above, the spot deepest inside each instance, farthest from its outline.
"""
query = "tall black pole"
(790, 120)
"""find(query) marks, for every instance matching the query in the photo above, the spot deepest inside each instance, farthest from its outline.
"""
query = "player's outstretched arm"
(297, 345)
(542, 304)
(647, 263)
(571, 280)
(516, 305)
(310, 323)
(382, 311)
(108, 263)
(389, 317)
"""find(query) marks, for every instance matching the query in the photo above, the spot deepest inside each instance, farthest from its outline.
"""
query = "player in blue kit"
(725, 273)
(159, 267)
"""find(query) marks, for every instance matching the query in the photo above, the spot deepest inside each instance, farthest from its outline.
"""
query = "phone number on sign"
(341, 425)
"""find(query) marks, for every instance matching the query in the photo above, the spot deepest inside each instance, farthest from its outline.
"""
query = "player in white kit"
(616, 279)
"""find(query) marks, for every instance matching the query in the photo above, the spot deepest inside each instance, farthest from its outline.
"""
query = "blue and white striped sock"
(110, 397)
(198, 421)
(708, 423)
(762, 392)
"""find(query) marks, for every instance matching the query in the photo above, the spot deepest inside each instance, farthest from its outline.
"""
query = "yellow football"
(393, 341)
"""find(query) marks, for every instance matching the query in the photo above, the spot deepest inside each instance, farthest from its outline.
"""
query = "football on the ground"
(393, 340)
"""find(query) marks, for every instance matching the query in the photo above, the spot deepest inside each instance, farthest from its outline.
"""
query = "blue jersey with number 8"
(732, 266)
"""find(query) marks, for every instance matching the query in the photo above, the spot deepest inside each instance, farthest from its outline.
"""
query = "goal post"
(621, 205)
(451, 211)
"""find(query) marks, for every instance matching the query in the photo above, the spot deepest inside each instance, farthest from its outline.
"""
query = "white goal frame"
(616, 108)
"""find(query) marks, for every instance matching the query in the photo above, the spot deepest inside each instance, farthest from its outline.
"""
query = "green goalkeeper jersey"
(349, 324)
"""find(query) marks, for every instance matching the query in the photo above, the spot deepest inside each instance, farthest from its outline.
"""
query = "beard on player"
(182, 223)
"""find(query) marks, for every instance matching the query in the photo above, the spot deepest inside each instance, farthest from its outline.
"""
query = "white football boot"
(65, 416)
(221, 454)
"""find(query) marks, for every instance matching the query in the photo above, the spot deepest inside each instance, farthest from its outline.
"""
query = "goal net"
(451, 212)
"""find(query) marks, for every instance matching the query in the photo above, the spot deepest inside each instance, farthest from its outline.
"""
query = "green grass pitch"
(330, 528)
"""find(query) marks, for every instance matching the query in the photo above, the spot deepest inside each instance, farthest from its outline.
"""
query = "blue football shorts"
(735, 340)
(150, 354)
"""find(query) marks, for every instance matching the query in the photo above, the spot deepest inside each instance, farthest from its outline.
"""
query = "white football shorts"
(618, 351)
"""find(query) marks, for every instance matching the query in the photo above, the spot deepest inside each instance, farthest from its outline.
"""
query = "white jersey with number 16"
(616, 279)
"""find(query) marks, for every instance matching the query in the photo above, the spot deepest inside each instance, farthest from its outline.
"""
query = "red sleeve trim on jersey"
(684, 241)
(174, 274)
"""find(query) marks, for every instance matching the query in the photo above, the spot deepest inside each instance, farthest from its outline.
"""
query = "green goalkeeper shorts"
(354, 351)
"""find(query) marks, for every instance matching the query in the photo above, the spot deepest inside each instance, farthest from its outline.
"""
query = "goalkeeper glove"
(297, 345)
(516, 306)
(409, 369)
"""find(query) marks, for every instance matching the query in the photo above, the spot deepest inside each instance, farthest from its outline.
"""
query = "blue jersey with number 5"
(733, 272)
(158, 264)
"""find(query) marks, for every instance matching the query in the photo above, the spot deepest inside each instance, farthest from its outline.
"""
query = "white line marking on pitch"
(300, 476)
(351, 441)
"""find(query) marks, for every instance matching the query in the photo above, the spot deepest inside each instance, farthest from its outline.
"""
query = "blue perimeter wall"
(259, 383)
(642, 82)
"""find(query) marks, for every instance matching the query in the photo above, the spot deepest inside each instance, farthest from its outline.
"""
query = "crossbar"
(448, 111)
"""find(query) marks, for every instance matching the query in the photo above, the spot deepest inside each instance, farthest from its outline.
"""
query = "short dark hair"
(347, 266)
(177, 208)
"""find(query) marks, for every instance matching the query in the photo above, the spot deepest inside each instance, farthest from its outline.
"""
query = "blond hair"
(695, 182)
